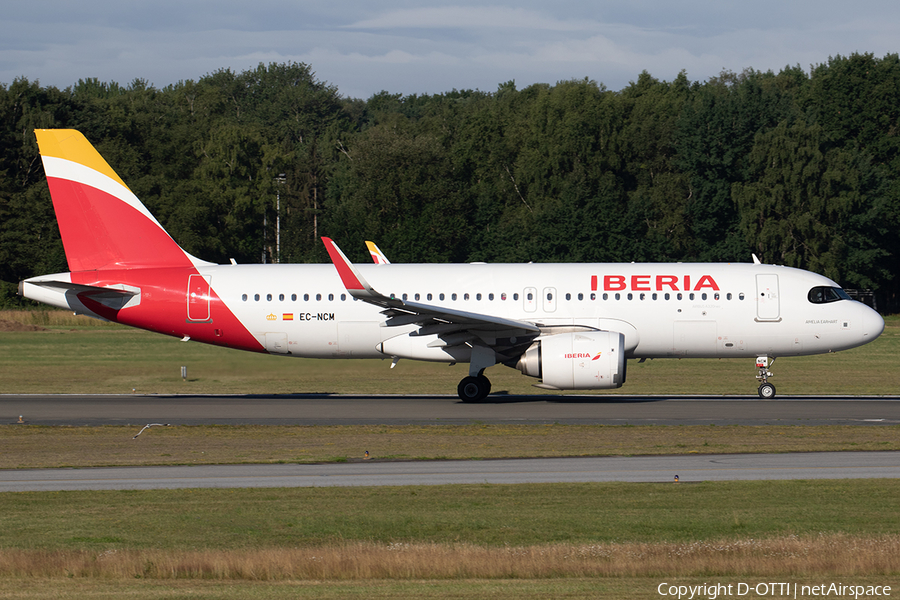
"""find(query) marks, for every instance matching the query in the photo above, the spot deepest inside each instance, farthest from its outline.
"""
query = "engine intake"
(588, 360)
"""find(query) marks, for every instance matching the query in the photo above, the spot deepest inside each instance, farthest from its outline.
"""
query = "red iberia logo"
(287, 317)
(582, 355)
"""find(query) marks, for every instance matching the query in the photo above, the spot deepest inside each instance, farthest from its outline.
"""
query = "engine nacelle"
(588, 360)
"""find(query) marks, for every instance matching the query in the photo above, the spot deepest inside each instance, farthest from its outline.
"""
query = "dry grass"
(51, 318)
(784, 557)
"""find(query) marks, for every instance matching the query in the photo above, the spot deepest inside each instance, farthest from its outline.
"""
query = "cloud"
(429, 47)
(469, 18)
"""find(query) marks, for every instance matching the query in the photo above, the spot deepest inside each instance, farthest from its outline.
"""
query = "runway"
(658, 469)
(323, 409)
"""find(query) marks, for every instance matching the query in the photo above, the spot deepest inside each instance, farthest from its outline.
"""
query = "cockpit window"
(824, 295)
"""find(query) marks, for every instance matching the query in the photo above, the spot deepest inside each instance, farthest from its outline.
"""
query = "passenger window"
(643, 296)
(428, 297)
(503, 296)
(630, 296)
(667, 296)
(466, 296)
(516, 296)
(416, 296)
(691, 295)
(655, 296)
(330, 297)
(293, 297)
(703, 296)
(244, 297)
(343, 297)
(741, 296)
(478, 296)
(453, 296)
(256, 297)
(605, 296)
(441, 296)
(680, 296)
(728, 296)
(306, 297)
(618, 296)
(269, 297)
(318, 297)
(405, 297)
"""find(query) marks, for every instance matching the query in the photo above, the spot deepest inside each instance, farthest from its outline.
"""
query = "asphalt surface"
(659, 469)
(317, 409)
(80, 410)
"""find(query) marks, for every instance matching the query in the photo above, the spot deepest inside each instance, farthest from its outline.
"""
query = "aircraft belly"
(359, 339)
(695, 338)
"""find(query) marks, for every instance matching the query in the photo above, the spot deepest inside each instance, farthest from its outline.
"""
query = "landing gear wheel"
(767, 391)
(474, 389)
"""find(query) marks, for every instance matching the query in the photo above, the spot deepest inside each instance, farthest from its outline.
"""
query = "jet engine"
(587, 360)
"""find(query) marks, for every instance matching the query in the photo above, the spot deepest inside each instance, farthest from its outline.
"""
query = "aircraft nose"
(873, 324)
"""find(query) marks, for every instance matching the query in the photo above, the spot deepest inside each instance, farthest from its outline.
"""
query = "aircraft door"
(767, 303)
(530, 299)
(549, 299)
(198, 298)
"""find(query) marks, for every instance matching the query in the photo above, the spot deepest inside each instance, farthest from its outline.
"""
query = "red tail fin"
(102, 223)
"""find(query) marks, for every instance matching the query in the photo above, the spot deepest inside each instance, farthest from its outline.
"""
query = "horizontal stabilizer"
(95, 292)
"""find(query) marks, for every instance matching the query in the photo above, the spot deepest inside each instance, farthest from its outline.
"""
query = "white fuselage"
(664, 310)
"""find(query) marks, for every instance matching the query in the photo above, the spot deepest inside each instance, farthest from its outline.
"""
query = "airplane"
(572, 326)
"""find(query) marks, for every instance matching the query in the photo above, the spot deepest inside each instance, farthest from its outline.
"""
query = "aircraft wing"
(453, 327)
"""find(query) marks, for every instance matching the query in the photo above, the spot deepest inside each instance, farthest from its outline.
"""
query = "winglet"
(352, 280)
(378, 256)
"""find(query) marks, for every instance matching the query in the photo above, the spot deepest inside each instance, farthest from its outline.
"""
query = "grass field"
(80, 355)
(39, 447)
(538, 541)
(478, 541)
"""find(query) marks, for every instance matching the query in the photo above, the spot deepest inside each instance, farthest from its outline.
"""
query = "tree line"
(800, 167)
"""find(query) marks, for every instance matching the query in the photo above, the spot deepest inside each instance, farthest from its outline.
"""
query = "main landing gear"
(474, 389)
(476, 386)
(766, 389)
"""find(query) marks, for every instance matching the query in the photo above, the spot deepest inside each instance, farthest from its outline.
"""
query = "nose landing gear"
(766, 389)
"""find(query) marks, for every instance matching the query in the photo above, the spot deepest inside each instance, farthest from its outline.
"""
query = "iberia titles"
(654, 283)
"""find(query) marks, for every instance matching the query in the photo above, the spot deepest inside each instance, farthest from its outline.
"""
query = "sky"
(426, 47)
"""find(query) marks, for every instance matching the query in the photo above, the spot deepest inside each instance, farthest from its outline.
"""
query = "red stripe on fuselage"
(163, 306)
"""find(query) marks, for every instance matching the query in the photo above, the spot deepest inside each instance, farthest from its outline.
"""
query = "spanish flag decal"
(287, 317)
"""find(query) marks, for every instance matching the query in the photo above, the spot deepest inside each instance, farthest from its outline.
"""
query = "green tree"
(808, 206)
